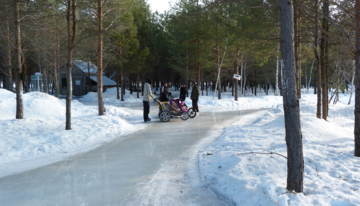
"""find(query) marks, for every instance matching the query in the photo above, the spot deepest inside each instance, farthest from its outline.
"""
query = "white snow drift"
(206, 103)
(40, 138)
(240, 166)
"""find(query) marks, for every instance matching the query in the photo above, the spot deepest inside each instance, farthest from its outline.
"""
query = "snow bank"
(332, 173)
(110, 98)
(227, 103)
(206, 103)
(41, 135)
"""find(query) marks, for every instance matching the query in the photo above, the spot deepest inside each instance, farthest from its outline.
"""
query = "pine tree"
(71, 30)
(291, 103)
(324, 59)
(357, 83)
(100, 53)
(19, 71)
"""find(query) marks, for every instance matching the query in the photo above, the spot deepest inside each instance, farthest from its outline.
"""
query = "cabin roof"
(106, 81)
(86, 67)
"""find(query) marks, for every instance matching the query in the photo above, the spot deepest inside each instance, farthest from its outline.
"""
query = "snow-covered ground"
(240, 166)
(41, 139)
(206, 103)
(237, 165)
(227, 103)
(131, 100)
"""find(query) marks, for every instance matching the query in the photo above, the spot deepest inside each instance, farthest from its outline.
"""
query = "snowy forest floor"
(236, 165)
(40, 138)
(240, 166)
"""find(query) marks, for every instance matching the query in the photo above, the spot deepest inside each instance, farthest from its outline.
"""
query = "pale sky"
(160, 5)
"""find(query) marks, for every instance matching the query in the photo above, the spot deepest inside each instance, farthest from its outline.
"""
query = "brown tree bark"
(198, 62)
(100, 84)
(317, 61)
(56, 63)
(122, 86)
(236, 71)
(118, 86)
(297, 4)
(8, 83)
(19, 71)
(137, 88)
(235, 81)
(71, 30)
(357, 81)
(294, 144)
(324, 59)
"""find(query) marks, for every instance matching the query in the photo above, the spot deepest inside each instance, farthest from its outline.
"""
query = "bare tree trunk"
(291, 103)
(206, 84)
(325, 59)
(357, 82)
(277, 76)
(142, 87)
(56, 65)
(71, 27)
(296, 4)
(236, 82)
(45, 80)
(100, 58)
(19, 71)
(117, 87)
(281, 82)
(198, 61)
(309, 80)
(122, 86)
(137, 88)
(317, 62)
(352, 83)
(219, 64)
(8, 83)
(244, 77)
(187, 78)
(25, 80)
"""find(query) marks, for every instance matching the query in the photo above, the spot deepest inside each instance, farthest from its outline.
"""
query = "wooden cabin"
(84, 76)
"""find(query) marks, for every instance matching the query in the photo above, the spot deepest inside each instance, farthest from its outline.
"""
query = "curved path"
(149, 167)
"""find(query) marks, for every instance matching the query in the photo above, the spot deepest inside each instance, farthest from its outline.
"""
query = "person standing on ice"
(195, 97)
(146, 100)
(183, 92)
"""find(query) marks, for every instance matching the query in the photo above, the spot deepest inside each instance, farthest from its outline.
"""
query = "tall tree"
(317, 60)
(100, 52)
(324, 58)
(71, 30)
(19, 71)
(7, 36)
(357, 84)
(294, 144)
(297, 5)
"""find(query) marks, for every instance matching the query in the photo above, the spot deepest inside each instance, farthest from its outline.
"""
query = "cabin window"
(78, 82)
(63, 83)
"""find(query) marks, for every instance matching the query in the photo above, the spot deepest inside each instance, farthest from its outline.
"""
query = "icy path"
(150, 167)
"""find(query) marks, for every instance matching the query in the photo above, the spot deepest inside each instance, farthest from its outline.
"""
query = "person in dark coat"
(183, 92)
(164, 93)
(195, 97)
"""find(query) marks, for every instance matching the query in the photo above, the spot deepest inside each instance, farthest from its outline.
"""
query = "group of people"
(164, 96)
